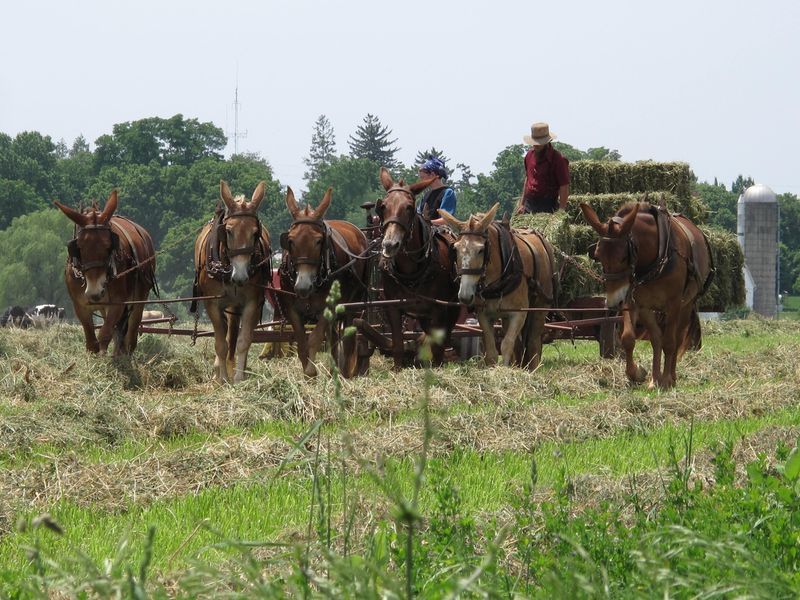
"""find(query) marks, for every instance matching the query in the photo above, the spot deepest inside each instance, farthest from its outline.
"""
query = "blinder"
(284, 240)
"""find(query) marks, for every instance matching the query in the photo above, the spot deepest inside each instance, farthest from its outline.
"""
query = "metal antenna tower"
(236, 133)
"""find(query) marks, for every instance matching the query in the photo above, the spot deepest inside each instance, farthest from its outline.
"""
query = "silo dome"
(758, 193)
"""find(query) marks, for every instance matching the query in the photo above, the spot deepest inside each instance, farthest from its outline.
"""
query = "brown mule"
(502, 270)
(317, 253)
(111, 261)
(232, 260)
(655, 266)
(416, 265)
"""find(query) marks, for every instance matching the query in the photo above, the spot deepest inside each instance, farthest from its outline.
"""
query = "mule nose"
(466, 299)
(390, 246)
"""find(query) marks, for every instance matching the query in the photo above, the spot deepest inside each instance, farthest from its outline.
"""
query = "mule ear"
(109, 208)
(420, 185)
(591, 217)
(319, 212)
(386, 179)
(487, 218)
(75, 216)
(226, 196)
(291, 203)
(454, 224)
(258, 195)
(628, 220)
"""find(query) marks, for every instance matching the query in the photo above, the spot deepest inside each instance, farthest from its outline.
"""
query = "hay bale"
(583, 236)
(576, 280)
(607, 205)
(555, 227)
(727, 288)
(605, 177)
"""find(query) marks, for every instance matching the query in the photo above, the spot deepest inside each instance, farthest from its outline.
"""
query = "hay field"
(110, 448)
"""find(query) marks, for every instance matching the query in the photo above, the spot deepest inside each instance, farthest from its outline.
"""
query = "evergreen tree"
(323, 148)
(371, 141)
(741, 184)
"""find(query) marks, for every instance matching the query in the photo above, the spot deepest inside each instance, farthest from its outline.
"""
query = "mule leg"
(132, 335)
(513, 329)
(489, 344)
(112, 315)
(650, 321)
(533, 349)
(395, 318)
(299, 330)
(347, 352)
(315, 340)
(675, 322)
(234, 320)
(248, 320)
(84, 315)
(220, 322)
(635, 373)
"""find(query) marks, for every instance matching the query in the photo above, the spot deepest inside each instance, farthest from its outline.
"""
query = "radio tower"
(236, 133)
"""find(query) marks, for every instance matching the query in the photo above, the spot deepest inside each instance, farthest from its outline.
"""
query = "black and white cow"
(42, 315)
(14, 316)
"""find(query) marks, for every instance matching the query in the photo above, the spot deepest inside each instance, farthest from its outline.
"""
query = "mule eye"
(318, 242)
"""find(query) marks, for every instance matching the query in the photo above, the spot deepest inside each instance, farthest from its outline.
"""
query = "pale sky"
(715, 84)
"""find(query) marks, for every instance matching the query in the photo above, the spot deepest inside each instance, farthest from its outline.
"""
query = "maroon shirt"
(544, 174)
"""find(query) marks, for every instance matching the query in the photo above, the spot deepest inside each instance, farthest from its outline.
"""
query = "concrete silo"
(758, 217)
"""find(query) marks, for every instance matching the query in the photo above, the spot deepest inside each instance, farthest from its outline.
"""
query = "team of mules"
(655, 266)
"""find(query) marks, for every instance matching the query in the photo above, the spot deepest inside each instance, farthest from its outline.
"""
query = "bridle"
(247, 249)
(109, 263)
(408, 230)
(631, 258)
(306, 260)
(481, 271)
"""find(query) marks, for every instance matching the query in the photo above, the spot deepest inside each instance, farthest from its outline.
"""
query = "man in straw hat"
(546, 174)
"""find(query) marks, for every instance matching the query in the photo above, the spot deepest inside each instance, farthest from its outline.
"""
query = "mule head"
(397, 211)
(614, 250)
(305, 241)
(471, 250)
(94, 245)
(242, 229)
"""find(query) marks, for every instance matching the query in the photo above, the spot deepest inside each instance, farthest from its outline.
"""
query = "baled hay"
(607, 205)
(727, 288)
(605, 177)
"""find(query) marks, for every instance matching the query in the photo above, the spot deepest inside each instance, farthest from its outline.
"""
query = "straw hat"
(540, 135)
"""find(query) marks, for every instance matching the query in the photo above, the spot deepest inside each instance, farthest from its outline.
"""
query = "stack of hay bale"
(606, 186)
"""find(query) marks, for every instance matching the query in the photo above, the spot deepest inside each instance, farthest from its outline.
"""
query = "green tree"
(721, 205)
(503, 184)
(741, 184)
(34, 157)
(173, 141)
(354, 181)
(323, 148)
(371, 141)
(17, 198)
(35, 254)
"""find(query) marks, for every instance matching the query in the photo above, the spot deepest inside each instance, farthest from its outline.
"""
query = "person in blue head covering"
(438, 195)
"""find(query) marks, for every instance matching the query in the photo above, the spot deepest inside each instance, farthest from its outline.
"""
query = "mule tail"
(693, 338)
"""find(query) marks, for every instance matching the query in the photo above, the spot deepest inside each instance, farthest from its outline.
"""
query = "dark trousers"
(539, 205)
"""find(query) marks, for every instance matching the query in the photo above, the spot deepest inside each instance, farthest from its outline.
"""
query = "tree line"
(167, 172)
